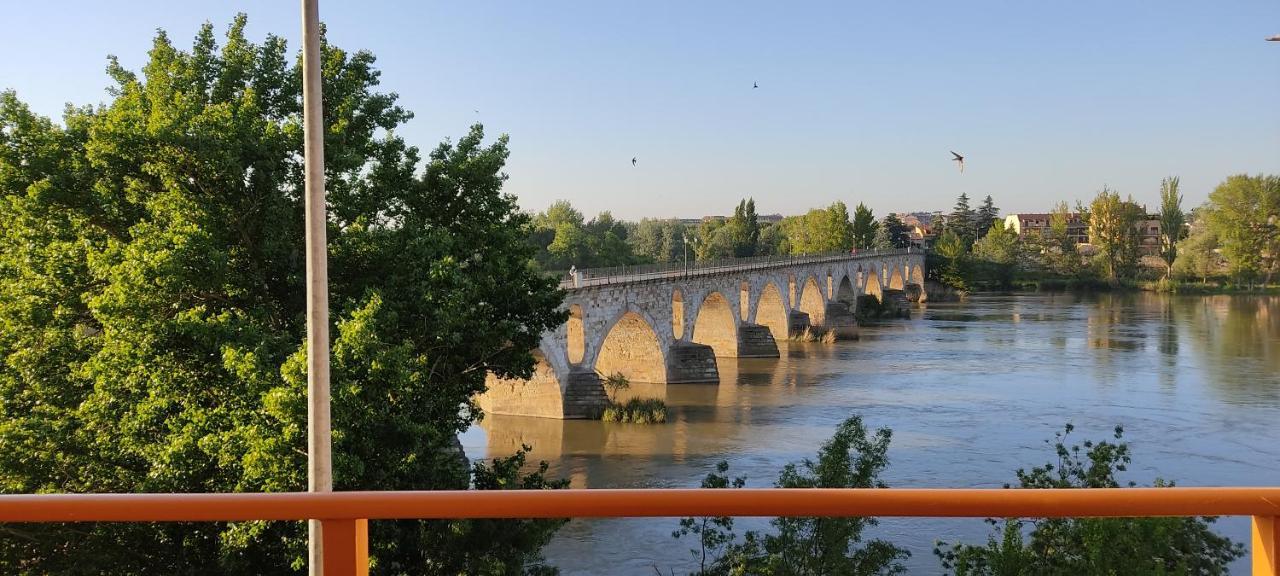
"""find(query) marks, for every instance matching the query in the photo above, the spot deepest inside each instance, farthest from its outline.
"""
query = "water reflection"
(970, 390)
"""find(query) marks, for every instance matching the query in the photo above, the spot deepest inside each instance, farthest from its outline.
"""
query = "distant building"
(920, 227)
(1037, 224)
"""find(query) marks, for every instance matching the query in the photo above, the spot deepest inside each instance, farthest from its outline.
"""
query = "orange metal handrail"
(344, 514)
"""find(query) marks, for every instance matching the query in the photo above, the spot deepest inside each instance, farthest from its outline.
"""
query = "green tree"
(1172, 221)
(864, 226)
(152, 311)
(897, 232)
(852, 458)
(1113, 230)
(820, 230)
(961, 220)
(882, 240)
(950, 247)
(986, 215)
(1059, 247)
(998, 251)
(744, 229)
(773, 241)
(1244, 214)
(657, 240)
(1092, 545)
(1197, 255)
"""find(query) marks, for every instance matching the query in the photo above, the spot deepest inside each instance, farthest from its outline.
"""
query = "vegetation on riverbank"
(1229, 245)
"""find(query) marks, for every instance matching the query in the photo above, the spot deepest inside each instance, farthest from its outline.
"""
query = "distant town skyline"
(854, 103)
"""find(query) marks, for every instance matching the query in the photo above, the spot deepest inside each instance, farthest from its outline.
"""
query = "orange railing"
(344, 515)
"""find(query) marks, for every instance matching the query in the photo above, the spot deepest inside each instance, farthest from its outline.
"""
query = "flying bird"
(754, 85)
(960, 159)
(633, 160)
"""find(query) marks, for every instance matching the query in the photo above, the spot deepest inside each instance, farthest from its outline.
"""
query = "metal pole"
(319, 466)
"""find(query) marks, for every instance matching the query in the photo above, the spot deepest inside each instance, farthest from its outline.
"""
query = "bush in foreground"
(1091, 545)
(852, 458)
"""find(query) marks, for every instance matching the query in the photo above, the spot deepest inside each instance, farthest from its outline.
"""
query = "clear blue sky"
(1048, 100)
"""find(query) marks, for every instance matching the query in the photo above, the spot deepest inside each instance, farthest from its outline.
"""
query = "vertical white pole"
(319, 468)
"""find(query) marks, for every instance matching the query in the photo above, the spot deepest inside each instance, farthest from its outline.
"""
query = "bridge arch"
(632, 348)
(715, 325)
(541, 395)
(846, 293)
(895, 279)
(873, 284)
(744, 301)
(771, 311)
(917, 275)
(812, 303)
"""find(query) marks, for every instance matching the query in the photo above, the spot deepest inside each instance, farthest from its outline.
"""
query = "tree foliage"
(853, 458)
(1172, 221)
(1101, 546)
(1113, 230)
(961, 220)
(998, 251)
(563, 239)
(986, 215)
(864, 226)
(896, 232)
(152, 312)
(820, 230)
(1244, 215)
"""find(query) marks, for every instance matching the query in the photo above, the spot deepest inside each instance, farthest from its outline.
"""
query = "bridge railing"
(344, 516)
(666, 270)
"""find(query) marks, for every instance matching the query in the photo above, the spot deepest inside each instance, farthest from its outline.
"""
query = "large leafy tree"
(1172, 221)
(1113, 230)
(1244, 214)
(152, 311)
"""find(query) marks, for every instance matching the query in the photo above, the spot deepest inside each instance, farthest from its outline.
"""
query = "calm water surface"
(971, 391)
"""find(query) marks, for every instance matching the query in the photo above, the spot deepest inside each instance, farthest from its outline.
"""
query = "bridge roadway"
(669, 324)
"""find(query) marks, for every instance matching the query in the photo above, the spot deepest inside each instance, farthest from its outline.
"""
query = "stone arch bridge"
(670, 325)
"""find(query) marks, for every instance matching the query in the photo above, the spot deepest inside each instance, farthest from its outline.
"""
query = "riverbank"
(1158, 286)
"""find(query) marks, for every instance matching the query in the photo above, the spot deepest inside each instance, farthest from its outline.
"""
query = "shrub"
(636, 411)
(1092, 545)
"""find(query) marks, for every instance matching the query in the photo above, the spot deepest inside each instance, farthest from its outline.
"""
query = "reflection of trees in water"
(1238, 340)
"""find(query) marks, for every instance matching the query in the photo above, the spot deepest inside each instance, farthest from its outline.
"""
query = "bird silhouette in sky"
(960, 159)
(633, 160)
(754, 85)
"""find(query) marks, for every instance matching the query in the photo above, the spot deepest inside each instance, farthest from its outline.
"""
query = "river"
(971, 391)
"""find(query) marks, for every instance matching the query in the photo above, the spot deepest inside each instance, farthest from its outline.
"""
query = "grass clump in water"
(633, 411)
(637, 411)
